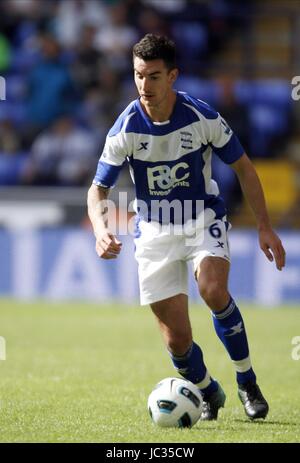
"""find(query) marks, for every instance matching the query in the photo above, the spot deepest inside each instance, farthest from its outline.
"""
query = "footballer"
(167, 139)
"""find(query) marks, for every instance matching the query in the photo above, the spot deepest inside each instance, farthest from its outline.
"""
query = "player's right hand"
(108, 246)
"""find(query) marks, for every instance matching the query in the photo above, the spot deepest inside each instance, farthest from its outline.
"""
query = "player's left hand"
(272, 247)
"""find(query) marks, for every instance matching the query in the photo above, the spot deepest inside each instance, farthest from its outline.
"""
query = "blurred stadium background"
(66, 74)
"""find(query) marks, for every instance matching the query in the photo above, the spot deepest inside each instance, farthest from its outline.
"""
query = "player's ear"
(173, 74)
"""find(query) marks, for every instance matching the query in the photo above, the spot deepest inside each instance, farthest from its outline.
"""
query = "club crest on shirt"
(186, 139)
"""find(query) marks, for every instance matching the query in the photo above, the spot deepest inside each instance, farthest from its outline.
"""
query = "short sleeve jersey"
(169, 160)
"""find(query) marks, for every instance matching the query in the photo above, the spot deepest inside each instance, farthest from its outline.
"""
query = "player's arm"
(112, 159)
(253, 192)
(107, 245)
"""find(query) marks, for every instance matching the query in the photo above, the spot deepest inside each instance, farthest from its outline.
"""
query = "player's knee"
(213, 294)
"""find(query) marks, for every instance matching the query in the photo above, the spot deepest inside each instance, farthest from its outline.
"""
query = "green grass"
(82, 373)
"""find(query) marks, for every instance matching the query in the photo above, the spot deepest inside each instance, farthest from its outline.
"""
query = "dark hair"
(153, 47)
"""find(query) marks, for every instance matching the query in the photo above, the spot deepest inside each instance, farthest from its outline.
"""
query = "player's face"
(154, 81)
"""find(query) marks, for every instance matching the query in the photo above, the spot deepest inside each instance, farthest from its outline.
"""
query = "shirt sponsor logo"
(162, 179)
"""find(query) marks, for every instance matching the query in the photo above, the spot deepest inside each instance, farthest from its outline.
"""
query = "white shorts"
(163, 256)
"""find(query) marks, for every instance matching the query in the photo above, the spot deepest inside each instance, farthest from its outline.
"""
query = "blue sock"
(191, 366)
(229, 326)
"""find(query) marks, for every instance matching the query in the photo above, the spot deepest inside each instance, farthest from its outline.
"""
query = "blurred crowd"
(67, 66)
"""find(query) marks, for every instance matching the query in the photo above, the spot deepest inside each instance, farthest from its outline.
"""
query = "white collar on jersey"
(161, 123)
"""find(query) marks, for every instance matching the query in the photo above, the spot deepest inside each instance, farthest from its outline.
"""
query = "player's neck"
(163, 111)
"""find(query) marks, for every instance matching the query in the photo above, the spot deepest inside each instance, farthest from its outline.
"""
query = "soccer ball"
(175, 402)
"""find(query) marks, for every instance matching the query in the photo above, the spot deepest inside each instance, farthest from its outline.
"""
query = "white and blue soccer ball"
(176, 403)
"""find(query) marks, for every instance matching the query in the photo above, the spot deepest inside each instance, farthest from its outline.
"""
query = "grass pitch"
(82, 373)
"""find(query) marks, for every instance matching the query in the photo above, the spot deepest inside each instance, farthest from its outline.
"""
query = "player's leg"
(212, 276)
(163, 282)
(174, 323)
(213, 283)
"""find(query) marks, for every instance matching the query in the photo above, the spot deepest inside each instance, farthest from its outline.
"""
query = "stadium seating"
(278, 179)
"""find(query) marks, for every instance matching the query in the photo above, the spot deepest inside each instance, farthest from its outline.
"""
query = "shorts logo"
(166, 178)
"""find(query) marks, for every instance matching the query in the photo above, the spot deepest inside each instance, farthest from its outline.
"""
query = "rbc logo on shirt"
(166, 177)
